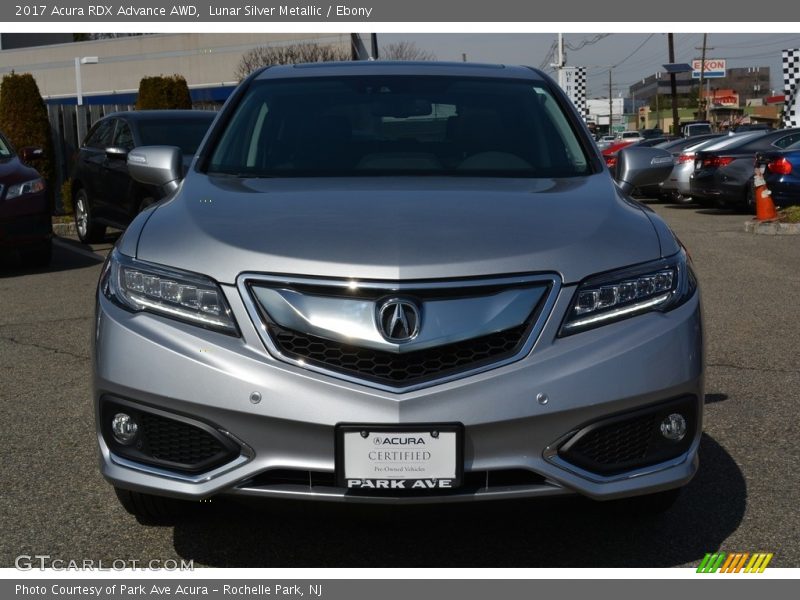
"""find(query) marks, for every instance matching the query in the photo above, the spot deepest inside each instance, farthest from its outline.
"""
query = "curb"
(65, 229)
(771, 228)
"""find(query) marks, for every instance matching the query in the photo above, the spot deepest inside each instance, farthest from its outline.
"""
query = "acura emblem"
(398, 320)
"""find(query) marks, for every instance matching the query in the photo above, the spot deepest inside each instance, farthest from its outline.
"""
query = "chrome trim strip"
(354, 320)
(333, 494)
(199, 478)
(390, 287)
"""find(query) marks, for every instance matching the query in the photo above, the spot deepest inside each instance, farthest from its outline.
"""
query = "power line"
(639, 47)
(588, 41)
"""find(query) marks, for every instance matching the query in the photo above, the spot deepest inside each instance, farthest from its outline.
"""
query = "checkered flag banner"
(573, 81)
(791, 78)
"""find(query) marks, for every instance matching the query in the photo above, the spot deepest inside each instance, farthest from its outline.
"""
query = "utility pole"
(673, 85)
(703, 104)
(561, 60)
(610, 105)
(658, 109)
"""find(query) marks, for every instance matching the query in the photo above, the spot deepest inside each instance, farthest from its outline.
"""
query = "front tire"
(89, 231)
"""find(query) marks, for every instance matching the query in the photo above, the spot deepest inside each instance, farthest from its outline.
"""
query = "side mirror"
(156, 165)
(29, 153)
(637, 167)
(116, 153)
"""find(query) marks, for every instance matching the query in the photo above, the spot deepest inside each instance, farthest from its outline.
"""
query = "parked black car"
(25, 222)
(103, 193)
(725, 177)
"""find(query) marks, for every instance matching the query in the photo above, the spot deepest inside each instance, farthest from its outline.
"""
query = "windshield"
(398, 125)
(184, 133)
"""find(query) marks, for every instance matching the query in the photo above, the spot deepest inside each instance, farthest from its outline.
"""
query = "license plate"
(396, 458)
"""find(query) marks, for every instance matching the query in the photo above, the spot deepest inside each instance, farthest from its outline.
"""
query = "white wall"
(202, 58)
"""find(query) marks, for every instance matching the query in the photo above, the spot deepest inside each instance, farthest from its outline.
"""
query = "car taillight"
(780, 166)
(717, 161)
(611, 161)
(684, 158)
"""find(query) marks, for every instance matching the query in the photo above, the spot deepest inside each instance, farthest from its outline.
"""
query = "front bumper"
(208, 376)
(25, 229)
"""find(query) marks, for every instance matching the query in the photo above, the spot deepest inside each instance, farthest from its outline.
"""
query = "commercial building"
(208, 62)
(746, 82)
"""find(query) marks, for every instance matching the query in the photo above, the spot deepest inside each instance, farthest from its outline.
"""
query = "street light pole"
(79, 116)
(78, 80)
(610, 105)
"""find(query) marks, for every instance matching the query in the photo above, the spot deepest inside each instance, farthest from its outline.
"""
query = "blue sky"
(636, 55)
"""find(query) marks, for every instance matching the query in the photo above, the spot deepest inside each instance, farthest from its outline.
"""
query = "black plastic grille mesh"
(177, 442)
(617, 443)
(399, 369)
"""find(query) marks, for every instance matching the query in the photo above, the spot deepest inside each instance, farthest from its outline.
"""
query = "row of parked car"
(103, 192)
(711, 168)
(717, 169)
(25, 223)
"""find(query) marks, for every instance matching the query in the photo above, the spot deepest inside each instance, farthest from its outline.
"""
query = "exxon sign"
(715, 67)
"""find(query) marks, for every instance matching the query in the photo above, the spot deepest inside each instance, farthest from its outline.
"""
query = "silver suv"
(397, 283)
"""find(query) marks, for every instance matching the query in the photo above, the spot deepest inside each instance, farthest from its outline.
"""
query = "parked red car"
(25, 223)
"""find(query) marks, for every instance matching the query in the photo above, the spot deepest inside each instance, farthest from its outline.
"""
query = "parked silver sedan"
(677, 187)
(398, 283)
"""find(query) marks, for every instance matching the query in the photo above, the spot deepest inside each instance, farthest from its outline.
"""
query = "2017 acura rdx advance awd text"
(397, 283)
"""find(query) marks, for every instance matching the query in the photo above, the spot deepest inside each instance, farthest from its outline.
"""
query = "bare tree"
(263, 56)
(405, 51)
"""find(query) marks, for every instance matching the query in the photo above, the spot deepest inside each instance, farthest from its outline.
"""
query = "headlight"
(21, 189)
(141, 286)
(660, 285)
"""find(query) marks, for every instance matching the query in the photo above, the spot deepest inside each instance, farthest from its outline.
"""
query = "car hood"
(398, 228)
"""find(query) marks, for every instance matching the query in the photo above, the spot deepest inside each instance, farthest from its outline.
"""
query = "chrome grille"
(329, 326)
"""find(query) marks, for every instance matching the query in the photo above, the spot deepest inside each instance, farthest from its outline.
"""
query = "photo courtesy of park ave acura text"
(493, 300)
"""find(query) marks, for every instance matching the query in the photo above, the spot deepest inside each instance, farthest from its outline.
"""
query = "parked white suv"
(630, 135)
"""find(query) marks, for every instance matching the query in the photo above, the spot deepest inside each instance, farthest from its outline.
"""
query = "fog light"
(674, 427)
(124, 428)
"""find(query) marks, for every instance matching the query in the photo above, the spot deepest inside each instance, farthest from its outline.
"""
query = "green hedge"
(163, 92)
(23, 120)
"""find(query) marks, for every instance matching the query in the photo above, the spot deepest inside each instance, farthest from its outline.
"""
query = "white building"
(598, 111)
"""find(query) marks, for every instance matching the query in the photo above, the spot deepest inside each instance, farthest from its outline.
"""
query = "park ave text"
(192, 10)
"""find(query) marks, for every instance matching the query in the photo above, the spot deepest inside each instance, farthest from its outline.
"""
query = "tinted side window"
(123, 138)
(101, 134)
(787, 140)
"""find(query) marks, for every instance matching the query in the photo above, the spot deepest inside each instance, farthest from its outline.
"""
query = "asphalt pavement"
(744, 499)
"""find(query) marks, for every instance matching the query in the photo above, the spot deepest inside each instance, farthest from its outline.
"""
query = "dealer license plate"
(387, 458)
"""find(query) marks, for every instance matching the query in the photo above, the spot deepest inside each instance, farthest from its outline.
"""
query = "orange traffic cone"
(765, 207)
